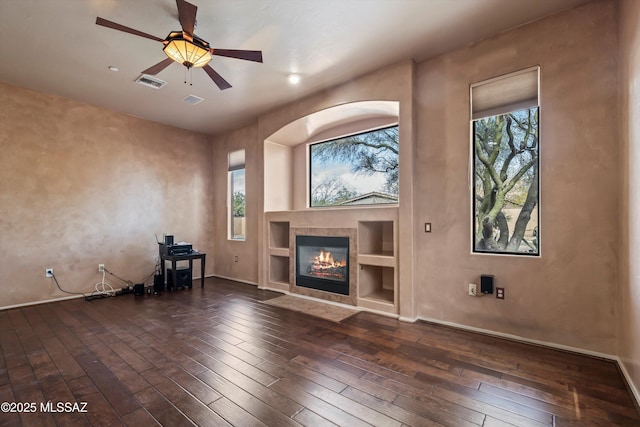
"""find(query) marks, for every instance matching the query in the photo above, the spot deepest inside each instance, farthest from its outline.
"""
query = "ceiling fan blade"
(158, 67)
(249, 55)
(115, 26)
(217, 78)
(187, 15)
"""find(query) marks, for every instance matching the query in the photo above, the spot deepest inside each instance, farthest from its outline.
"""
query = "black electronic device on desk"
(170, 248)
(179, 249)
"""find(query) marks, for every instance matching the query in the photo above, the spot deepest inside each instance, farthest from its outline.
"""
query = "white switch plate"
(473, 289)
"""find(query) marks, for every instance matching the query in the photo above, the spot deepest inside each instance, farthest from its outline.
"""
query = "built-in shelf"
(279, 234)
(376, 282)
(376, 238)
(381, 260)
(279, 254)
(283, 252)
(279, 269)
(381, 295)
(377, 266)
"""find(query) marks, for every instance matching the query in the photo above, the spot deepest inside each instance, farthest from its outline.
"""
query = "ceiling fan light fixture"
(188, 53)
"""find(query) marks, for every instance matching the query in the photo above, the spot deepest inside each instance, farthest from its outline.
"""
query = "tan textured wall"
(629, 322)
(568, 295)
(246, 267)
(81, 185)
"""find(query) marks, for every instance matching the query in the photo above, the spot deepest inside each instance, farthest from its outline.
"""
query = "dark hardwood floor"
(217, 356)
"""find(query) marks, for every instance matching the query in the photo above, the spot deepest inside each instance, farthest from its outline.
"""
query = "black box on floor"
(183, 278)
(138, 289)
(158, 284)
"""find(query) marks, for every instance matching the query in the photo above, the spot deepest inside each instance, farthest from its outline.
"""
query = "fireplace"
(322, 263)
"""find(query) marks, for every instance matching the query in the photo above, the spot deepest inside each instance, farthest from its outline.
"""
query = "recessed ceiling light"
(294, 79)
(114, 69)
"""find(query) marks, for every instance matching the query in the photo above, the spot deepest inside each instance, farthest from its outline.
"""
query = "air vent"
(192, 99)
(150, 81)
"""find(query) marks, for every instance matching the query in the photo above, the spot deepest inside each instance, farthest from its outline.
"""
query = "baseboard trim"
(233, 279)
(28, 304)
(629, 381)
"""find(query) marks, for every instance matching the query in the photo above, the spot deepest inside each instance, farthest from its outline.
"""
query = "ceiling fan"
(185, 48)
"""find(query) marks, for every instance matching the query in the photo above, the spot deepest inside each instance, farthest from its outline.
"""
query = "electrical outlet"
(100, 268)
(48, 272)
(473, 289)
(500, 293)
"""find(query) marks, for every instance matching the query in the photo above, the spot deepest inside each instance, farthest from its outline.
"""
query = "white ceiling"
(54, 46)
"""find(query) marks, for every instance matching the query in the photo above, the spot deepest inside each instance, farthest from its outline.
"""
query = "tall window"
(360, 169)
(237, 196)
(506, 118)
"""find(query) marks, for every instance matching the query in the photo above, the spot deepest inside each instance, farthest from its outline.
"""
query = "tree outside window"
(238, 204)
(359, 169)
(236, 198)
(506, 183)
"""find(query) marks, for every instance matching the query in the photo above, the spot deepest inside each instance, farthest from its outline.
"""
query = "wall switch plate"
(427, 227)
(473, 289)
(48, 272)
(500, 293)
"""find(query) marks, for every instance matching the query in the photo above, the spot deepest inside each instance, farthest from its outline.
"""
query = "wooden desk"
(186, 257)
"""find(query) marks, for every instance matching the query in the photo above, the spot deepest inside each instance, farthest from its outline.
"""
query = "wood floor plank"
(296, 391)
(162, 410)
(311, 419)
(285, 370)
(250, 385)
(114, 391)
(234, 414)
(489, 410)
(218, 356)
(214, 356)
(140, 417)
(250, 403)
(99, 410)
(199, 413)
(428, 408)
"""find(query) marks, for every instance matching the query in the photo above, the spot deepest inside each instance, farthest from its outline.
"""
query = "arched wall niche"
(285, 154)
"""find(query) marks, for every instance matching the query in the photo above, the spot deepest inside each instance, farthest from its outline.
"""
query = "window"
(237, 196)
(360, 169)
(505, 119)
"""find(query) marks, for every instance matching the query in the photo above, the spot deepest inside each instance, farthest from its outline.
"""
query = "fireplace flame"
(325, 260)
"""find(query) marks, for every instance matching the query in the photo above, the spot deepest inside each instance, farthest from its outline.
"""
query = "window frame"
(236, 163)
(510, 106)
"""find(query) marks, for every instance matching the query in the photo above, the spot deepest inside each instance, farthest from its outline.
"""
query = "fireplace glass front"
(322, 262)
